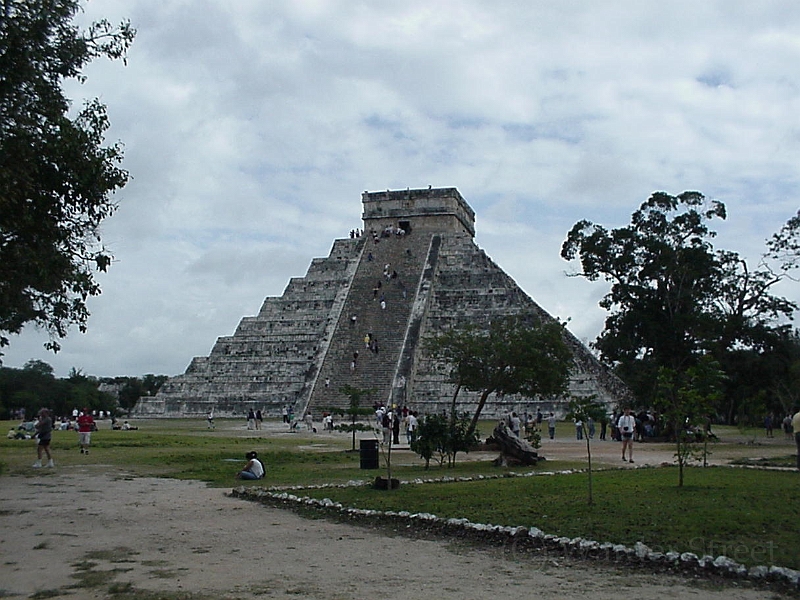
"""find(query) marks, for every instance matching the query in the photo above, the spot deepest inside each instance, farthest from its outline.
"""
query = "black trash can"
(369, 454)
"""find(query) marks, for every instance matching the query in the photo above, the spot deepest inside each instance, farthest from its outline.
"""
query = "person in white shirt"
(627, 425)
(253, 469)
(411, 427)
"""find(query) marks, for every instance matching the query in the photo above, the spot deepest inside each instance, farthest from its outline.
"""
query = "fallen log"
(512, 447)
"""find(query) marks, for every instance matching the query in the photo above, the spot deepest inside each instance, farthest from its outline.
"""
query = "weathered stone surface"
(512, 446)
(300, 349)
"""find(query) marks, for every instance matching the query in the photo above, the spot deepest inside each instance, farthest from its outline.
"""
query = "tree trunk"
(474, 423)
(513, 446)
(453, 403)
(589, 454)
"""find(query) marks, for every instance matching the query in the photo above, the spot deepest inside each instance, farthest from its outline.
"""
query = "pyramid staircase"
(376, 371)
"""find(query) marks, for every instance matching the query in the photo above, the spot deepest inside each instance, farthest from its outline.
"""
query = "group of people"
(786, 425)
(390, 420)
(43, 432)
(254, 419)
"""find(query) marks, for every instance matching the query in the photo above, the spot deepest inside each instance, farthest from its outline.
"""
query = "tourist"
(85, 427)
(796, 428)
(590, 422)
(251, 420)
(395, 427)
(309, 419)
(210, 419)
(515, 424)
(626, 426)
(768, 426)
(386, 426)
(411, 427)
(578, 429)
(603, 426)
(551, 426)
(787, 426)
(259, 419)
(253, 469)
(44, 431)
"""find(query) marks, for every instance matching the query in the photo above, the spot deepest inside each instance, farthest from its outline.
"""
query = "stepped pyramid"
(415, 271)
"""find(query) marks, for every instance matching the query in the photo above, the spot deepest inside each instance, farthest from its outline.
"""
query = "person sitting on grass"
(253, 469)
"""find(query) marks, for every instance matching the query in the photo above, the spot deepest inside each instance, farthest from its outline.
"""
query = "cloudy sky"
(252, 127)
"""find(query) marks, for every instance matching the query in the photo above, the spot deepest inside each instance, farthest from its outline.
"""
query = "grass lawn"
(749, 515)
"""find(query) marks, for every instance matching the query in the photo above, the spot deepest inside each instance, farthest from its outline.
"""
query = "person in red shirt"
(85, 427)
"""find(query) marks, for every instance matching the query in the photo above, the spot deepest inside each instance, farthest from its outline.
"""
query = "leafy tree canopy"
(56, 176)
(512, 355)
(673, 297)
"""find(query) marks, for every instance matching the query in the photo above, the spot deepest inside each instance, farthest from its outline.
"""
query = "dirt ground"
(185, 540)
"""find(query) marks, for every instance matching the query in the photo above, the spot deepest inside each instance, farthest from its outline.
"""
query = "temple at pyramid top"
(439, 209)
(362, 316)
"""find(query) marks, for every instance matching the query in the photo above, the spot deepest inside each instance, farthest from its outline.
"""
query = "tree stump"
(513, 447)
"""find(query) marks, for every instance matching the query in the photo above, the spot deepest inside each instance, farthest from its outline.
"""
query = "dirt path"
(79, 532)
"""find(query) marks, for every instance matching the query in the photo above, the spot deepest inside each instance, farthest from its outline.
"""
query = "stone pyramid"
(360, 317)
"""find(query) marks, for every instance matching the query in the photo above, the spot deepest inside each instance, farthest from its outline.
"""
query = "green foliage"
(685, 400)
(582, 409)
(442, 438)
(511, 355)
(56, 177)
(355, 411)
(34, 386)
(673, 297)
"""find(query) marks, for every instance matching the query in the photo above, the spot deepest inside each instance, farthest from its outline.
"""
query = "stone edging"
(532, 537)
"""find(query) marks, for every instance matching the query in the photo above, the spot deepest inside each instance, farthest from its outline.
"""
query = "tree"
(673, 297)
(582, 409)
(34, 387)
(56, 177)
(444, 437)
(512, 355)
(685, 399)
(355, 411)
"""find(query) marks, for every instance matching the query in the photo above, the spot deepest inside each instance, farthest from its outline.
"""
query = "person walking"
(44, 431)
(551, 426)
(627, 425)
(796, 428)
(85, 427)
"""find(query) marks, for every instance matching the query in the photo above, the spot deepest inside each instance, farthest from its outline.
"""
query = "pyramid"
(360, 317)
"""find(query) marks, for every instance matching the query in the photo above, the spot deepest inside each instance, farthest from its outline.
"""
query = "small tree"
(582, 409)
(430, 440)
(685, 400)
(355, 411)
(520, 354)
(438, 434)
